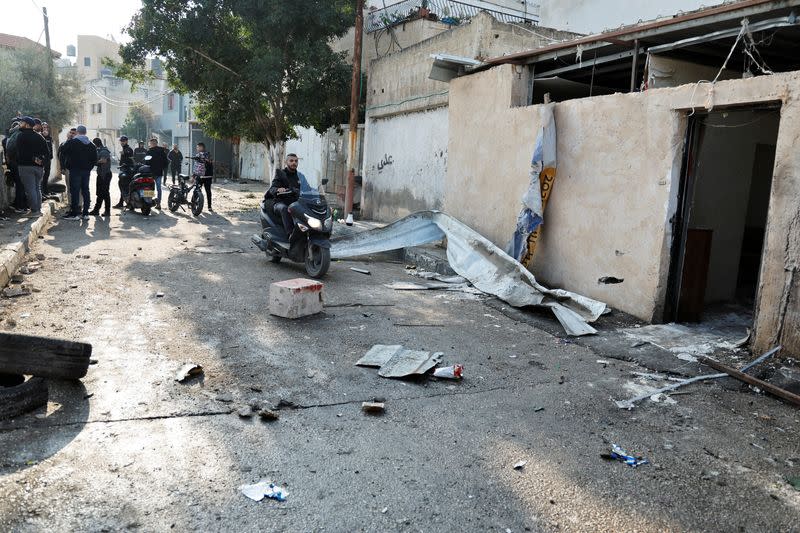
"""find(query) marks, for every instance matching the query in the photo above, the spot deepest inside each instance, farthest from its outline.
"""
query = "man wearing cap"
(80, 156)
(125, 159)
(29, 151)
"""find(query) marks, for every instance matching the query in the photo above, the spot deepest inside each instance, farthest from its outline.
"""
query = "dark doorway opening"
(721, 219)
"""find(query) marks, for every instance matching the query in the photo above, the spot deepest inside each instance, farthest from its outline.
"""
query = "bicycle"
(179, 194)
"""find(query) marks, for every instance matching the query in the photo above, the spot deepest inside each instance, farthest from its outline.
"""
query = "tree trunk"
(277, 155)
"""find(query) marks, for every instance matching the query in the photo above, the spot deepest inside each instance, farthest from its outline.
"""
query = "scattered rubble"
(618, 454)
(264, 489)
(373, 408)
(188, 371)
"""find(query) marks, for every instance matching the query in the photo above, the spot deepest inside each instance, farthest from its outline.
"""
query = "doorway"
(721, 219)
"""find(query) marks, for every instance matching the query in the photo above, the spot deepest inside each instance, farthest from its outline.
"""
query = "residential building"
(679, 181)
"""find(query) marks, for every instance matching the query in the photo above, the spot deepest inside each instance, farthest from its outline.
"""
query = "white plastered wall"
(619, 164)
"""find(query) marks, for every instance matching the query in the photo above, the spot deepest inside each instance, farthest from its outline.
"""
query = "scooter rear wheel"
(146, 210)
(274, 258)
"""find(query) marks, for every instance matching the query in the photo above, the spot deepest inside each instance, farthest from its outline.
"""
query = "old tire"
(23, 397)
(172, 201)
(45, 357)
(197, 203)
(318, 260)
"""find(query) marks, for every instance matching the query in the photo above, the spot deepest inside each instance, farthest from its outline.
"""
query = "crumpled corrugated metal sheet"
(475, 258)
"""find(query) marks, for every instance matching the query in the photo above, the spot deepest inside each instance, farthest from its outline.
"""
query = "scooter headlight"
(314, 223)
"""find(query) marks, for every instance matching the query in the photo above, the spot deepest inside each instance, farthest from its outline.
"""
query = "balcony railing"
(452, 12)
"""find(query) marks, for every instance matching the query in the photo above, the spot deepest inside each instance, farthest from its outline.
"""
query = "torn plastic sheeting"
(475, 258)
(544, 159)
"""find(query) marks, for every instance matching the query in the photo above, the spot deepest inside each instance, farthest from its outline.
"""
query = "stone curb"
(13, 254)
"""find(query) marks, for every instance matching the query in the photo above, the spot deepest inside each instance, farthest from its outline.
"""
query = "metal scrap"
(395, 361)
(472, 256)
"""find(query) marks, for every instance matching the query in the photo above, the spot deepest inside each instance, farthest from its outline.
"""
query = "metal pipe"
(634, 64)
(354, 100)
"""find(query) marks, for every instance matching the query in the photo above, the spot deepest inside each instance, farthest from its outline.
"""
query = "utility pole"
(49, 53)
(355, 93)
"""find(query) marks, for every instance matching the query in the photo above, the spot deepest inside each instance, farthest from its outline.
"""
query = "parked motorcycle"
(138, 180)
(185, 194)
(309, 241)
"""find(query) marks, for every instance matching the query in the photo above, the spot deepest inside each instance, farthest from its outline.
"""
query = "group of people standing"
(28, 153)
(28, 149)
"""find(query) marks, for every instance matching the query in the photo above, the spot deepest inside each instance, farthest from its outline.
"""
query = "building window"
(170, 101)
(94, 108)
(87, 61)
(99, 108)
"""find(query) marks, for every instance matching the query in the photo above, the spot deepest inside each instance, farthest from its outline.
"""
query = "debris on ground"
(159, 294)
(361, 271)
(16, 292)
(373, 408)
(449, 372)
(395, 361)
(213, 250)
(187, 371)
(630, 404)
(794, 482)
(750, 380)
(268, 415)
(264, 489)
(245, 412)
(520, 465)
(618, 454)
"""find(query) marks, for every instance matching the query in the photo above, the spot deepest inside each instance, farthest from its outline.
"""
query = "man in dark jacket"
(80, 156)
(284, 190)
(139, 152)
(125, 159)
(175, 159)
(103, 182)
(29, 151)
(158, 163)
(47, 162)
(18, 204)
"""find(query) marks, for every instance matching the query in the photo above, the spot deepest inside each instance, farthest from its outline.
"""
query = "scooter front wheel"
(172, 201)
(318, 260)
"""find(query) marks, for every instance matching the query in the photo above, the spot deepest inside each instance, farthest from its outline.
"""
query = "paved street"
(130, 448)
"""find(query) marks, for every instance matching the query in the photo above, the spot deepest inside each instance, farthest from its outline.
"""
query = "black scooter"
(137, 180)
(309, 241)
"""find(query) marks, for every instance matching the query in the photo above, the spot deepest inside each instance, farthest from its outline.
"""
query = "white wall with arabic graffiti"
(405, 164)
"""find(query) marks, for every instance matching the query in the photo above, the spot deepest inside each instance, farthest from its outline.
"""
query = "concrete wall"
(595, 16)
(406, 165)
(254, 157)
(404, 107)
(619, 162)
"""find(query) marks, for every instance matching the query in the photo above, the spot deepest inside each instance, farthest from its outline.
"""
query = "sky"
(68, 19)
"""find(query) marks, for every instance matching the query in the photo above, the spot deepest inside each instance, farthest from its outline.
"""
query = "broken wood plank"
(42, 356)
(741, 376)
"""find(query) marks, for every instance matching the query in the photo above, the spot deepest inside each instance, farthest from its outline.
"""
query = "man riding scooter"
(284, 190)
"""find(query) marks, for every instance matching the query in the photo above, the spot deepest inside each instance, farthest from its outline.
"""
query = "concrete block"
(295, 298)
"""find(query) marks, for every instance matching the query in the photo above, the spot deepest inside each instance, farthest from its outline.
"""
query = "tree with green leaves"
(139, 122)
(26, 87)
(257, 68)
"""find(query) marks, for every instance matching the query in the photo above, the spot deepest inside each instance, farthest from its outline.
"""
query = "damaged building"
(677, 173)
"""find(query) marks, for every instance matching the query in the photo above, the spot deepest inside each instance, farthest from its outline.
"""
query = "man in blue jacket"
(80, 156)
